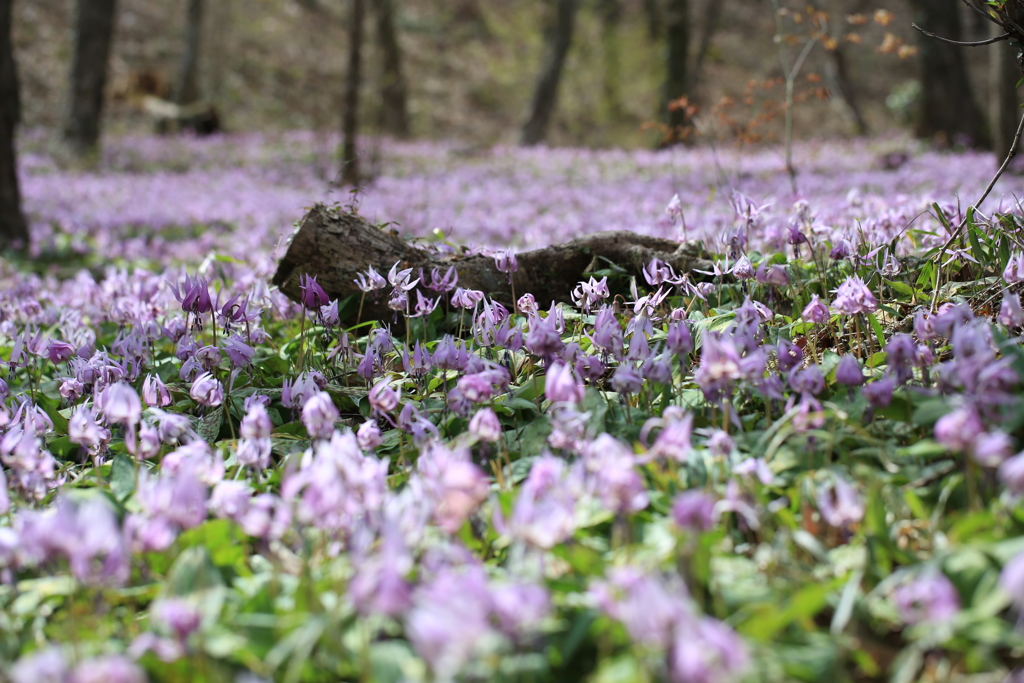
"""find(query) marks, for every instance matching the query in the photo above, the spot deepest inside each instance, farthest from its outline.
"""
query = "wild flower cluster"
(800, 463)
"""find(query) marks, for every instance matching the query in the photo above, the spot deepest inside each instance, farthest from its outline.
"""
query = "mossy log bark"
(336, 246)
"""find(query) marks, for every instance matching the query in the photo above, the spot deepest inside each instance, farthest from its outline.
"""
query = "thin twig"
(988, 190)
(975, 43)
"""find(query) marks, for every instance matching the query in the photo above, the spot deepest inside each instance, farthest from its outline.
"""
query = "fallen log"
(336, 246)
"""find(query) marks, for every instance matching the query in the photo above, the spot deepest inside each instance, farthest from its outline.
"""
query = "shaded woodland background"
(595, 73)
(470, 67)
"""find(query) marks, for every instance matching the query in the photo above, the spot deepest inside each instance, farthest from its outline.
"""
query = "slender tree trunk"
(558, 39)
(611, 15)
(677, 54)
(187, 89)
(949, 112)
(394, 112)
(94, 33)
(1004, 72)
(652, 11)
(13, 228)
(350, 122)
(840, 82)
(712, 20)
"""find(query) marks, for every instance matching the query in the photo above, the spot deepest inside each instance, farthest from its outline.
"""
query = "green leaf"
(876, 327)
(208, 426)
(771, 618)
(122, 476)
(901, 288)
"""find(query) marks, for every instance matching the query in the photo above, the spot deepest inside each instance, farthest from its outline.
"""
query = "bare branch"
(988, 190)
(978, 43)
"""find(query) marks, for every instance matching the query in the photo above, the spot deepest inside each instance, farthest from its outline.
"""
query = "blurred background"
(472, 69)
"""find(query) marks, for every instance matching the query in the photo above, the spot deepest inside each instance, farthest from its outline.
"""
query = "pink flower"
(207, 390)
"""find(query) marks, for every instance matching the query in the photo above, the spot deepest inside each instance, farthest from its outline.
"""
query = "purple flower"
(959, 429)
(1012, 580)
(929, 597)
(179, 616)
(155, 392)
(657, 272)
(369, 436)
(544, 512)
(1010, 312)
(399, 279)
(207, 390)
(992, 448)
(613, 476)
(704, 650)
(607, 334)
(675, 206)
(720, 366)
(647, 604)
(789, 355)
(743, 269)
(439, 283)
(42, 666)
(424, 306)
(379, 585)
(694, 510)
(383, 398)
(108, 669)
(256, 424)
(853, 296)
(319, 415)
(120, 404)
(807, 380)
(879, 393)
(450, 619)
(679, 340)
(776, 276)
(58, 351)
(543, 339)
(455, 485)
(312, 294)
(466, 298)
(1014, 271)
(372, 281)
(839, 503)
(562, 385)
(842, 249)
(238, 352)
(626, 380)
(485, 426)
(194, 296)
(848, 372)
(1011, 473)
(527, 304)
(673, 442)
(505, 261)
(84, 431)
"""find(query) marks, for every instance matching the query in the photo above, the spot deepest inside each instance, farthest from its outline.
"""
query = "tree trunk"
(841, 85)
(187, 90)
(394, 112)
(13, 228)
(677, 51)
(712, 20)
(94, 33)
(949, 113)
(610, 12)
(336, 247)
(350, 122)
(653, 14)
(558, 39)
(1004, 73)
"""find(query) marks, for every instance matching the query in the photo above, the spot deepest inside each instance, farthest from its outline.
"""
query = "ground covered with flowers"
(800, 464)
